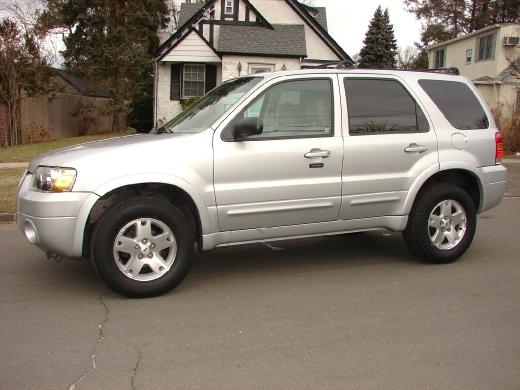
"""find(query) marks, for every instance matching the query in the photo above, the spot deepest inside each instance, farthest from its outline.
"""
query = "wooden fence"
(55, 117)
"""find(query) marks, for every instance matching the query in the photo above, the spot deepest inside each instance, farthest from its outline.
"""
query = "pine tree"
(380, 47)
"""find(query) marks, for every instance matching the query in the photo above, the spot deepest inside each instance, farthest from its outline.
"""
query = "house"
(485, 57)
(222, 39)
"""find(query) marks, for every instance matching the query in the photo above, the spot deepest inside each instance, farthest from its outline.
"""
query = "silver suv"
(270, 157)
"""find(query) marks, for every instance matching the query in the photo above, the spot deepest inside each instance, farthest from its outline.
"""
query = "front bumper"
(55, 222)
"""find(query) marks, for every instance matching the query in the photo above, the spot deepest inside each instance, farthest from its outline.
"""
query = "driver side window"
(291, 109)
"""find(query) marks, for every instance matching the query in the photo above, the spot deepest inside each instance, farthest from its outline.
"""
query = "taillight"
(499, 154)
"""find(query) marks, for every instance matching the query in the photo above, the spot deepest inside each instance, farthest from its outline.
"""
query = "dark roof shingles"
(187, 11)
(321, 17)
(285, 39)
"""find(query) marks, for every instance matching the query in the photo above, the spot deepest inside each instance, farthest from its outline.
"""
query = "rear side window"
(379, 106)
(457, 102)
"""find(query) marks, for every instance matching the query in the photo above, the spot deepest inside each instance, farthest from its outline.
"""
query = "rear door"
(389, 142)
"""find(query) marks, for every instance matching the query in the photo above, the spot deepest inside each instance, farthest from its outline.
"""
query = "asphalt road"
(344, 312)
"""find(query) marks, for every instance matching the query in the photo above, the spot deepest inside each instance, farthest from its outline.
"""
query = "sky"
(348, 21)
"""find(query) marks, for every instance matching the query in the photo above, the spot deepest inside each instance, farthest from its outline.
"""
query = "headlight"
(54, 179)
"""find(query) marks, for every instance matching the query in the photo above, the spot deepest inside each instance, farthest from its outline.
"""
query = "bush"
(510, 129)
(189, 102)
(140, 116)
(34, 133)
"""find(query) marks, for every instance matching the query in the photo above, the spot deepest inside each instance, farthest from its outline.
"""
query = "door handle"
(314, 153)
(414, 148)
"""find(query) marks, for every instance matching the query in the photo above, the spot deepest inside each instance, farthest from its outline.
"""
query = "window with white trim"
(228, 7)
(469, 56)
(194, 79)
(486, 47)
(440, 59)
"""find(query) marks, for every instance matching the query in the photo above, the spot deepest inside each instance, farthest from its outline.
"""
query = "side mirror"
(247, 127)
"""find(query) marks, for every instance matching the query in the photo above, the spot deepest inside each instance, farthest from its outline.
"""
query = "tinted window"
(457, 102)
(377, 106)
(292, 109)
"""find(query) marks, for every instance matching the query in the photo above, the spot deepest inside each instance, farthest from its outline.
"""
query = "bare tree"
(406, 57)
(24, 63)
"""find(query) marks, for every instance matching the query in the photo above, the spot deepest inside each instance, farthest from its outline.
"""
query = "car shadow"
(326, 253)
(300, 255)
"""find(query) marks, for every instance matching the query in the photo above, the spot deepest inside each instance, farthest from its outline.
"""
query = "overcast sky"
(348, 21)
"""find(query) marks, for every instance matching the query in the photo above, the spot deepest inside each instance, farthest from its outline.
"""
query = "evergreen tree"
(380, 47)
(111, 43)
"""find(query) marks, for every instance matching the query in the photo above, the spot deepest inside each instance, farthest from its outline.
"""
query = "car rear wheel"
(441, 224)
(143, 247)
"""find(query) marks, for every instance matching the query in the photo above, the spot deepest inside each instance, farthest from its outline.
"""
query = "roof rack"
(452, 70)
(338, 65)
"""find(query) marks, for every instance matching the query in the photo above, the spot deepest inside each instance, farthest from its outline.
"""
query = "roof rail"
(452, 70)
(337, 65)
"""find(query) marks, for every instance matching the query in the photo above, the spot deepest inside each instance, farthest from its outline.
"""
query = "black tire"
(417, 233)
(108, 228)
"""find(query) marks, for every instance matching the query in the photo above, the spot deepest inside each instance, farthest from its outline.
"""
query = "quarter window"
(486, 47)
(457, 102)
(378, 106)
(292, 109)
(194, 80)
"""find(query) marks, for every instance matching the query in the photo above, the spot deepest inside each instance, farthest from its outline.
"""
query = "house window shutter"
(211, 77)
(176, 82)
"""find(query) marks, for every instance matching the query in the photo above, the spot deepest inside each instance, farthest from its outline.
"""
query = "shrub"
(189, 102)
(34, 133)
(510, 129)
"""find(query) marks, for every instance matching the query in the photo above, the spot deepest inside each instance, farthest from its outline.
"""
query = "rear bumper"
(55, 222)
(494, 184)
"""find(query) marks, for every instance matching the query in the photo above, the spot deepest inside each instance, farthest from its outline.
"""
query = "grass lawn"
(9, 178)
(25, 153)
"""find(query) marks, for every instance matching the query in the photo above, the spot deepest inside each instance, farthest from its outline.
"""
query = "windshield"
(209, 108)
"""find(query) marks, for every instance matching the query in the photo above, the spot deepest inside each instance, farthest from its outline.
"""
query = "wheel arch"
(466, 178)
(177, 193)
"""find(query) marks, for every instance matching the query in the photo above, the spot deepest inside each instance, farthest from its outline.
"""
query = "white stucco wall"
(166, 108)
(456, 54)
(230, 64)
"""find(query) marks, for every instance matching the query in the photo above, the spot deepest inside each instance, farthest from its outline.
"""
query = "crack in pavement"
(101, 337)
(136, 367)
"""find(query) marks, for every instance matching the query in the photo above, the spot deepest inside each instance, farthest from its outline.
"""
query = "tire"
(142, 247)
(441, 206)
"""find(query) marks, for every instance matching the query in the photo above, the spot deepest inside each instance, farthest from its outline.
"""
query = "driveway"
(343, 312)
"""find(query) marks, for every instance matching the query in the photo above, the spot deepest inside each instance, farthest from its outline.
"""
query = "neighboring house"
(222, 39)
(485, 57)
(74, 109)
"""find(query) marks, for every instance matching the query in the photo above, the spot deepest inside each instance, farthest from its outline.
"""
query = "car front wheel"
(142, 247)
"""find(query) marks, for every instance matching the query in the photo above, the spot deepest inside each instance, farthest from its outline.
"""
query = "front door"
(290, 174)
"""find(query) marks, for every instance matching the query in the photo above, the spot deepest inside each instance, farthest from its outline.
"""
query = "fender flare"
(432, 171)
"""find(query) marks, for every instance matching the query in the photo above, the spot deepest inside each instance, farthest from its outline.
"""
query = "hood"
(107, 150)
(100, 162)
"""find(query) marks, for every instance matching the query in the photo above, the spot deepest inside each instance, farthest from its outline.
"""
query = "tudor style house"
(485, 57)
(222, 39)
